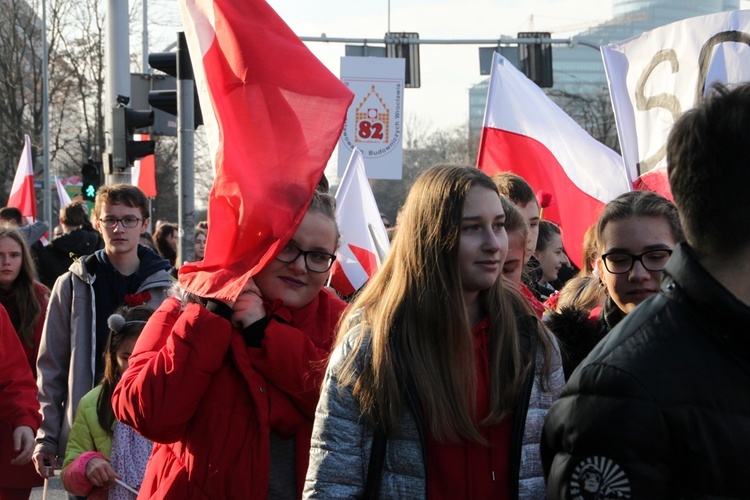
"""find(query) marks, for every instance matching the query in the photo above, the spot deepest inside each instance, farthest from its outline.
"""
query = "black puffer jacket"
(54, 260)
(661, 407)
(578, 331)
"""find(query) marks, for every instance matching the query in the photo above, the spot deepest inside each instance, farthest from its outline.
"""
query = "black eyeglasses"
(621, 262)
(315, 261)
(128, 221)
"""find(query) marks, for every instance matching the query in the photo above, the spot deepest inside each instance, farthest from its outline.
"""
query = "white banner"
(655, 77)
(374, 121)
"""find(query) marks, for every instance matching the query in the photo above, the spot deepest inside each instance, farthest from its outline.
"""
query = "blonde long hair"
(414, 311)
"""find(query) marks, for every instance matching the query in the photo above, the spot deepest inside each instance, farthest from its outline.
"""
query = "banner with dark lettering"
(655, 77)
(374, 121)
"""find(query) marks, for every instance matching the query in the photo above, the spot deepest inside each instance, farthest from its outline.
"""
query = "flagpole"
(46, 183)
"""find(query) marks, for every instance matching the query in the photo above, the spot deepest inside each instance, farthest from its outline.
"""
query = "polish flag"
(22, 194)
(364, 240)
(144, 170)
(528, 134)
(273, 114)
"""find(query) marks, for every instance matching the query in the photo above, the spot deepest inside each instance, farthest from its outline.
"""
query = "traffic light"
(535, 59)
(175, 64)
(408, 51)
(125, 149)
(91, 179)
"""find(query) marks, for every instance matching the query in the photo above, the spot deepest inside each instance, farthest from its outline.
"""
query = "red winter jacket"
(209, 401)
(18, 404)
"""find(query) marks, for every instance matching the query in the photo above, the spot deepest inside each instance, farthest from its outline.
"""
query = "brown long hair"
(29, 308)
(418, 323)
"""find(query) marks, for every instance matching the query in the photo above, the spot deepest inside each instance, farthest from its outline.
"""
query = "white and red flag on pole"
(526, 133)
(364, 240)
(273, 114)
(22, 194)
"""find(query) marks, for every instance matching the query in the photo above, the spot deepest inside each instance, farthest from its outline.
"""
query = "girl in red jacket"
(25, 301)
(228, 391)
(19, 413)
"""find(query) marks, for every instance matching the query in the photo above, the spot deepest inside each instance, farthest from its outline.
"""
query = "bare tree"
(441, 146)
(20, 84)
(76, 107)
(75, 35)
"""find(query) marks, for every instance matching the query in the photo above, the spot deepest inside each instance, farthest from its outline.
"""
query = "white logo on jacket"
(599, 478)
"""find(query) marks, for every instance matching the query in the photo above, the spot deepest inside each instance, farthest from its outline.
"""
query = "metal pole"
(185, 152)
(46, 182)
(117, 81)
(145, 68)
(389, 16)
(426, 41)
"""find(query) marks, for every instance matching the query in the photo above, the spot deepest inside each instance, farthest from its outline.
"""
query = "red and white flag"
(22, 194)
(144, 170)
(273, 114)
(528, 134)
(364, 240)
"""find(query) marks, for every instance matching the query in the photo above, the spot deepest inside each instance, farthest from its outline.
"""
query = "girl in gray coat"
(442, 375)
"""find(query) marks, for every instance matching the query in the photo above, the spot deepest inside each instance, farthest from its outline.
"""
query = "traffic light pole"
(117, 81)
(185, 151)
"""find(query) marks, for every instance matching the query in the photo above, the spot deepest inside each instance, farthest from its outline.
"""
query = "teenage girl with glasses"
(228, 390)
(636, 234)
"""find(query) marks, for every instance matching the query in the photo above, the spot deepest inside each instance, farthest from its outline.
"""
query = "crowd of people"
(478, 362)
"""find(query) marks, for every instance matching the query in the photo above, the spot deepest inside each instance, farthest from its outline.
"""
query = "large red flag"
(528, 134)
(22, 194)
(273, 115)
(364, 241)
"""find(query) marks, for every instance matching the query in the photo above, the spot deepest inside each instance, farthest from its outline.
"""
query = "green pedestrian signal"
(91, 179)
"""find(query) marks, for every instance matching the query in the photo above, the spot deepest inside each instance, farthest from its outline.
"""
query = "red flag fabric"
(526, 133)
(273, 115)
(364, 240)
(22, 193)
(144, 171)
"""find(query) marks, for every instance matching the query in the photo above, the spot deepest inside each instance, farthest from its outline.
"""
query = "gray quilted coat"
(342, 441)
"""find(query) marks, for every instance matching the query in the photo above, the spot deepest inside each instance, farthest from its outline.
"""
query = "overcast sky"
(447, 71)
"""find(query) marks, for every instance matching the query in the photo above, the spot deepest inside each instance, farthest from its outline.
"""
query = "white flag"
(655, 77)
(364, 241)
(62, 194)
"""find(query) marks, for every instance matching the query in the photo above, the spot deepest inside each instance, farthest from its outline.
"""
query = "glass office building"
(580, 69)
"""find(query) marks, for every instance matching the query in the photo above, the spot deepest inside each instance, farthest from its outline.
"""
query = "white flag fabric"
(655, 77)
(62, 194)
(364, 240)
(22, 194)
(526, 133)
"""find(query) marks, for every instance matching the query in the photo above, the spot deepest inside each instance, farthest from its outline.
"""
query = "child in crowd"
(100, 449)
